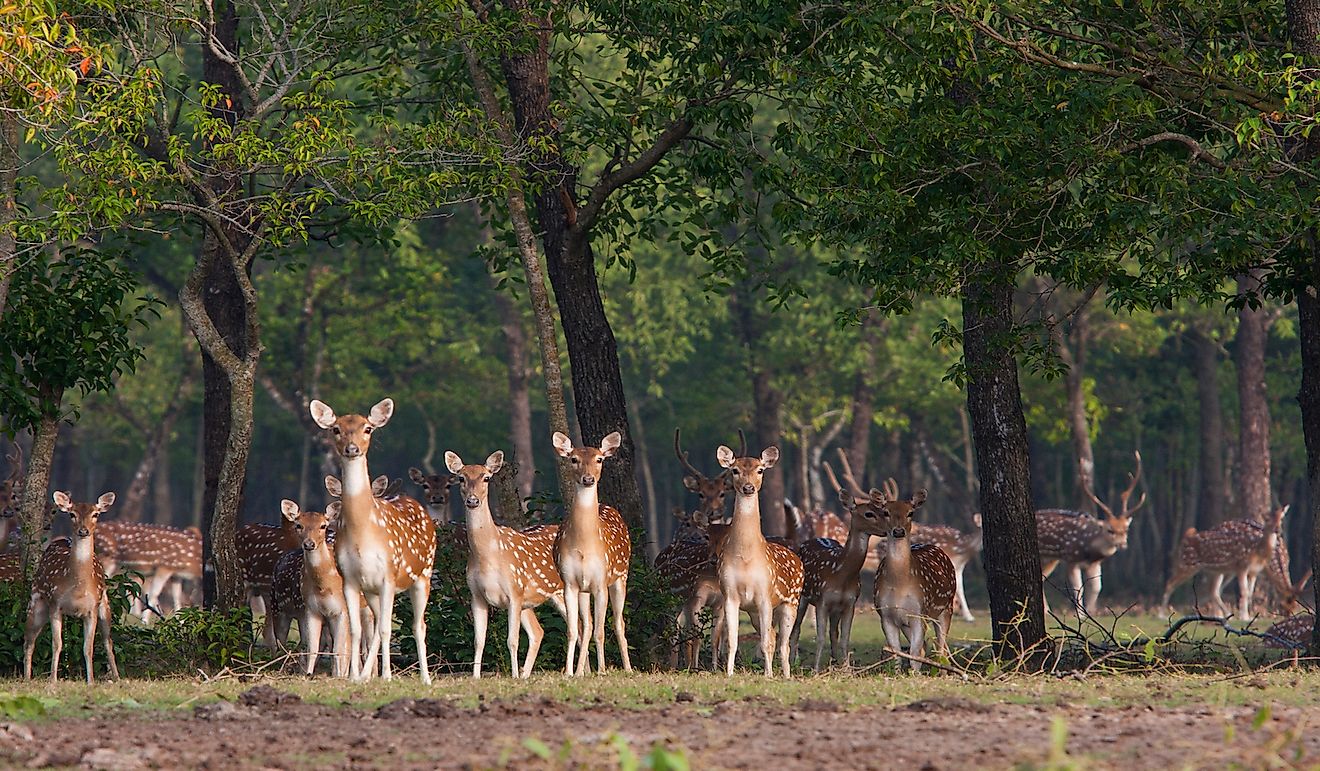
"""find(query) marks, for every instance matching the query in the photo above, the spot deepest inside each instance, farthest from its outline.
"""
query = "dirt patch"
(275, 732)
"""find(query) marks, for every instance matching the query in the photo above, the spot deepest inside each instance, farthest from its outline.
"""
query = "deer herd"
(338, 572)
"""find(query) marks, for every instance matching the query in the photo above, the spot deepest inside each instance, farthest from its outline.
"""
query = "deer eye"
(298, 526)
(575, 460)
(368, 430)
(485, 478)
(325, 525)
(760, 471)
(335, 429)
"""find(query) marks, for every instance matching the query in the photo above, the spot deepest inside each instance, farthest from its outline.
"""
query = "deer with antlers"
(507, 568)
(763, 577)
(1081, 542)
(70, 580)
(383, 545)
(592, 551)
(1240, 547)
(915, 582)
(832, 583)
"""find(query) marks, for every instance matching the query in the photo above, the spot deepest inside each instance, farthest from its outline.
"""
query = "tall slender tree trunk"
(162, 498)
(999, 430)
(520, 400)
(863, 397)
(9, 160)
(1072, 348)
(36, 491)
(652, 517)
(1210, 495)
(135, 498)
(1254, 408)
(768, 429)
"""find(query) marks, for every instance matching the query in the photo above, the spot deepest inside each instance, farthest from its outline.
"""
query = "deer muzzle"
(472, 501)
(898, 532)
(748, 489)
(83, 532)
(352, 451)
(309, 545)
(588, 480)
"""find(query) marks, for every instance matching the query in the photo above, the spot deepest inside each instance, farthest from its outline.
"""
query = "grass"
(876, 686)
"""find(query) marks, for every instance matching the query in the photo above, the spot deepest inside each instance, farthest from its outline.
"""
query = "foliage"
(192, 639)
(67, 327)
(43, 57)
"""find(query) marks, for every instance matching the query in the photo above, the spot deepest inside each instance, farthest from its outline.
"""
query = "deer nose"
(588, 480)
(899, 532)
(748, 489)
(309, 545)
(83, 532)
(352, 451)
(471, 501)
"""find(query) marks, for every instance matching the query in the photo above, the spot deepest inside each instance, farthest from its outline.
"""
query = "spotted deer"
(763, 577)
(70, 580)
(259, 547)
(592, 551)
(165, 555)
(1294, 632)
(1238, 547)
(960, 547)
(308, 587)
(915, 582)
(11, 493)
(435, 492)
(506, 568)
(1082, 542)
(831, 582)
(382, 546)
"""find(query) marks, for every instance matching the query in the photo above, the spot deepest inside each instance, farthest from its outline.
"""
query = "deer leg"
(961, 596)
(916, 639)
(309, 628)
(893, 636)
(836, 620)
(421, 596)
(89, 643)
(584, 655)
(1075, 583)
(820, 632)
(157, 585)
(1045, 569)
(1180, 575)
(786, 614)
(1092, 574)
(731, 633)
(480, 616)
(38, 615)
(1217, 596)
(341, 644)
(1244, 596)
(716, 634)
(942, 633)
(532, 626)
(618, 596)
(599, 598)
(571, 620)
(103, 621)
(845, 632)
(765, 628)
(511, 634)
(353, 609)
(384, 626)
(56, 643)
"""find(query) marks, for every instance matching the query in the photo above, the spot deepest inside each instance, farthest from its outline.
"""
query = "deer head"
(311, 526)
(380, 486)
(587, 462)
(711, 490)
(474, 480)
(435, 487)
(1116, 524)
(11, 487)
(351, 433)
(83, 515)
(886, 514)
(746, 475)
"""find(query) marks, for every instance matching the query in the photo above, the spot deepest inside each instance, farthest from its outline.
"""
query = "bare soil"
(268, 728)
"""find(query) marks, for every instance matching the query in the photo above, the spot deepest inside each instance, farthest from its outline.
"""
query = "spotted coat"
(147, 548)
(1296, 629)
(821, 558)
(260, 546)
(11, 566)
(53, 572)
(1241, 547)
(933, 571)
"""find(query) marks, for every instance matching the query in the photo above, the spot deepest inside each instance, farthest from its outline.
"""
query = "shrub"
(14, 596)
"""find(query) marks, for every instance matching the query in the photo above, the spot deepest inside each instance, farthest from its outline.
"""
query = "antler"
(742, 444)
(683, 458)
(848, 474)
(1132, 485)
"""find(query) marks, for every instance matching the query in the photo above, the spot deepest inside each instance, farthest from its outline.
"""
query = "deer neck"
(482, 532)
(359, 503)
(745, 533)
(854, 552)
(81, 552)
(898, 557)
(584, 517)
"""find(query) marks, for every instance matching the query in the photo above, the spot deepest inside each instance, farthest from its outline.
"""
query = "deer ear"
(769, 456)
(380, 414)
(563, 445)
(289, 509)
(334, 486)
(976, 519)
(333, 512)
(416, 475)
(846, 500)
(105, 501)
(495, 462)
(725, 456)
(453, 462)
(611, 443)
(879, 497)
(690, 482)
(379, 485)
(321, 413)
(919, 498)
(62, 499)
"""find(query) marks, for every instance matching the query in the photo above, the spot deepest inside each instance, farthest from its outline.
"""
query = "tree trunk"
(1210, 493)
(32, 510)
(135, 497)
(1254, 408)
(1308, 395)
(863, 398)
(999, 431)
(542, 315)
(652, 523)
(163, 512)
(1072, 351)
(9, 160)
(520, 401)
(768, 429)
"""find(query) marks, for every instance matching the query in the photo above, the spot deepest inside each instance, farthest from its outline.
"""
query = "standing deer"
(382, 545)
(755, 574)
(832, 583)
(592, 551)
(435, 491)
(916, 581)
(259, 547)
(961, 549)
(1082, 542)
(1239, 547)
(70, 580)
(507, 568)
(307, 586)
(164, 554)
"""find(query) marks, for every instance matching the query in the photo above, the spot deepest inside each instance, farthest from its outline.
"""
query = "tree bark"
(36, 489)
(1210, 495)
(1254, 408)
(542, 315)
(1308, 396)
(999, 431)
(1072, 348)
(163, 512)
(9, 160)
(652, 517)
(768, 429)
